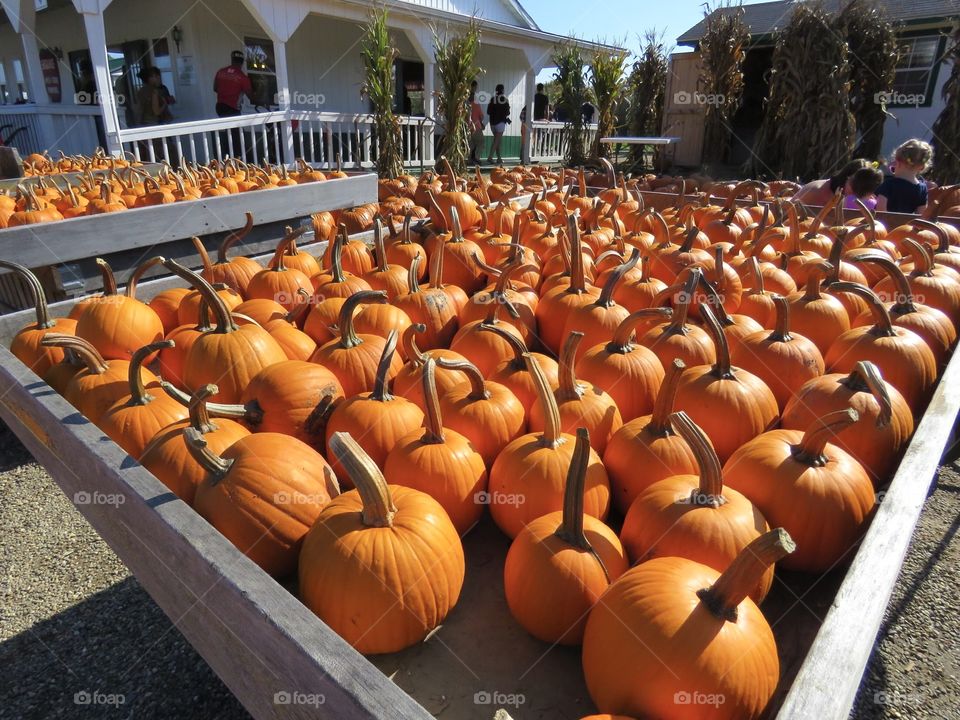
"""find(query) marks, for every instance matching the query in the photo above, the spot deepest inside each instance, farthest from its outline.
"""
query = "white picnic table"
(635, 140)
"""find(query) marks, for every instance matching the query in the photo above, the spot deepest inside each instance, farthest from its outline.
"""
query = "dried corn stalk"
(456, 58)
(807, 130)
(606, 84)
(946, 129)
(379, 85)
(570, 77)
(723, 48)
(646, 88)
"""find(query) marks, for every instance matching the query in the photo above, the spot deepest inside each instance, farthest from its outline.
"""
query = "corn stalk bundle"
(873, 45)
(379, 85)
(607, 85)
(946, 129)
(807, 128)
(456, 59)
(570, 78)
(646, 88)
(722, 50)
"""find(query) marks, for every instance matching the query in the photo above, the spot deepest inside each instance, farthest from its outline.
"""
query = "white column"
(529, 91)
(429, 109)
(31, 56)
(97, 42)
(283, 97)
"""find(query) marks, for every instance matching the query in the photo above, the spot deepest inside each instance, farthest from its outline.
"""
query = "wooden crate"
(267, 647)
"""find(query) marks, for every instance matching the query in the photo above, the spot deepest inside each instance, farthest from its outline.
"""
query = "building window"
(4, 94)
(262, 70)
(916, 74)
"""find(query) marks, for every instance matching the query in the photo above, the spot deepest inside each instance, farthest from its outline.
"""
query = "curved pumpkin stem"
(348, 334)
(517, 346)
(432, 420)
(409, 343)
(217, 466)
(378, 507)
(904, 293)
(781, 330)
(478, 386)
(943, 241)
(87, 353)
(577, 279)
(715, 302)
(745, 572)
(622, 336)
(202, 252)
(44, 321)
(131, 291)
(921, 256)
(569, 388)
(811, 448)
(336, 254)
(413, 284)
(106, 273)
(552, 435)
(225, 323)
(199, 417)
(138, 393)
(883, 325)
(606, 294)
(378, 245)
(381, 391)
(819, 270)
(233, 238)
(710, 491)
(660, 424)
(865, 377)
(571, 525)
(722, 369)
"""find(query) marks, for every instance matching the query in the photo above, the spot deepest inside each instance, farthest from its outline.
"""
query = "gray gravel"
(80, 638)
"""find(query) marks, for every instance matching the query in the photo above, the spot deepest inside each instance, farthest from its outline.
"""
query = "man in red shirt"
(229, 84)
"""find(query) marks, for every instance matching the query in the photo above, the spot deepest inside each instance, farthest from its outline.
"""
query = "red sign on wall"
(50, 67)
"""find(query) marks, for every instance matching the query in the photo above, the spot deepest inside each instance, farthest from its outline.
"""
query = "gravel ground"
(80, 638)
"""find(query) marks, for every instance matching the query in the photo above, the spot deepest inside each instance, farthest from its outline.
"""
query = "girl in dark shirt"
(904, 191)
(499, 111)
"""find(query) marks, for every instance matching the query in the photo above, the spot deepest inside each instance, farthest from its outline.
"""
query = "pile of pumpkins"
(114, 185)
(734, 381)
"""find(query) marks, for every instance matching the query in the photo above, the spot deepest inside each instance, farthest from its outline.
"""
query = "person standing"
(230, 83)
(541, 105)
(476, 124)
(151, 103)
(905, 191)
(498, 111)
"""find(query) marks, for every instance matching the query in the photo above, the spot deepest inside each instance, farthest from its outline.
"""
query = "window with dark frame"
(916, 73)
(262, 69)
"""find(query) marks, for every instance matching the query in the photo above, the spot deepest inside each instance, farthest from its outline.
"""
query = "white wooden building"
(302, 55)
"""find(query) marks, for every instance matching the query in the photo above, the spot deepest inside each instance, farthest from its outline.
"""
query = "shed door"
(683, 114)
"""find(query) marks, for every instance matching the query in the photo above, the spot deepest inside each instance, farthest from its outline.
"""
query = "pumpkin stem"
(348, 335)
(202, 252)
(217, 466)
(413, 285)
(300, 309)
(569, 388)
(606, 294)
(745, 572)
(571, 526)
(432, 420)
(660, 424)
(131, 291)
(811, 447)
(922, 258)
(378, 245)
(552, 435)
(722, 369)
(715, 303)
(250, 413)
(904, 303)
(378, 507)
(83, 350)
(436, 266)
(109, 281)
(577, 280)
(286, 246)
(336, 254)
(883, 324)
(233, 238)
(755, 275)
(225, 323)
(710, 491)
(199, 417)
(456, 231)
(678, 323)
(517, 345)
(409, 343)
(138, 393)
(44, 321)
(623, 335)
(818, 272)
(943, 241)
(865, 377)
(381, 391)
(478, 386)
(781, 330)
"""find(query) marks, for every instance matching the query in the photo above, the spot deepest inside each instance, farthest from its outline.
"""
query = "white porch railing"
(34, 128)
(549, 141)
(317, 137)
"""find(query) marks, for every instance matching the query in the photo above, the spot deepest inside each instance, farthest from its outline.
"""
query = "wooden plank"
(83, 237)
(827, 683)
(256, 636)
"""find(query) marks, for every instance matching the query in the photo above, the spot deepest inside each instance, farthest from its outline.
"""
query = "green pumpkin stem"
(710, 491)
(348, 334)
(810, 450)
(217, 466)
(381, 390)
(745, 572)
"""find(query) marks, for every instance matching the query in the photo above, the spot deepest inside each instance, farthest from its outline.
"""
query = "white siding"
(914, 122)
(494, 10)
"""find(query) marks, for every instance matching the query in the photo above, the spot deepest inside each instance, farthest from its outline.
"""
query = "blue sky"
(617, 21)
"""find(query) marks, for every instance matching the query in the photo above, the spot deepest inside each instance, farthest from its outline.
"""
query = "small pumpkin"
(408, 382)
(512, 372)
(279, 282)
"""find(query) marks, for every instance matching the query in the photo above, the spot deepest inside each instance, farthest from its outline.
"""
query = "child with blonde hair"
(904, 191)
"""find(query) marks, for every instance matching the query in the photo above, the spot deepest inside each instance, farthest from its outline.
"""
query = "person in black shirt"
(541, 105)
(498, 110)
(587, 110)
(904, 191)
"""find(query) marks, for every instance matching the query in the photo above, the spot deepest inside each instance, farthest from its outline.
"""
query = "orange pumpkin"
(429, 306)
(407, 381)
(512, 372)
(165, 304)
(374, 543)
(560, 564)
(392, 279)
(816, 315)
(234, 272)
(279, 282)
(677, 338)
